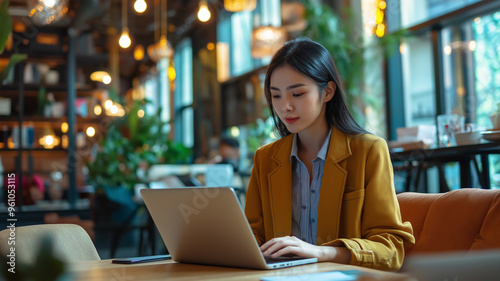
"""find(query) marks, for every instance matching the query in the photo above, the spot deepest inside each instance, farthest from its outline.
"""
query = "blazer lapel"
(280, 183)
(332, 188)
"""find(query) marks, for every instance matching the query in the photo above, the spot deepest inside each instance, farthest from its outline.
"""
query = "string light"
(203, 11)
(97, 110)
(139, 52)
(100, 76)
(380, 18)
(125, 40)
(140, 6)
(162, 48)
(90, 131)
(64, 127)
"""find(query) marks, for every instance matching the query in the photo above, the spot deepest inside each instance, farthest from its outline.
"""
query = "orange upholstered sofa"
(459, 220)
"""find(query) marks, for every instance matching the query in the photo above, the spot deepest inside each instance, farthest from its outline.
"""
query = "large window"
(414, 12)
(418, 77)
(183, 96)
(451, 64)
(234, 35)
(486, 57)
(471, 66)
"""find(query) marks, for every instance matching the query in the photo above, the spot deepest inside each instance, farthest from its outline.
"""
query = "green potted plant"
(131, 144)
(5, 31)
(351, 52)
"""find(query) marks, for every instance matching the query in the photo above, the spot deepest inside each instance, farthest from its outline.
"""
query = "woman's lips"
(290, 120)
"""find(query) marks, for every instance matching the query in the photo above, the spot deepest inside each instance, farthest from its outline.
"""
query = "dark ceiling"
(95, 17)
(98, 15)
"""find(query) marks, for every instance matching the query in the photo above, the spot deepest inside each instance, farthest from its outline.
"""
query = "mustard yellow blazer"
(357, 205)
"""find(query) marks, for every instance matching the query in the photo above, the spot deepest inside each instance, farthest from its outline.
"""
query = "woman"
(325, 189)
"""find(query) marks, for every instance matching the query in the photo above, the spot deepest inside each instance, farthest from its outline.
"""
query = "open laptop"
(481, 265)
(206, 225)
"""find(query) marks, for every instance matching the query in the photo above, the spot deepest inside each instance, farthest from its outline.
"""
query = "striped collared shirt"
(305, 196)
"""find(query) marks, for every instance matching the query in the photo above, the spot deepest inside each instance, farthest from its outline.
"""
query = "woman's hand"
(291, 245)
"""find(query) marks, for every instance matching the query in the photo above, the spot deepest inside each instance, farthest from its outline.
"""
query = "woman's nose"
(287, 106)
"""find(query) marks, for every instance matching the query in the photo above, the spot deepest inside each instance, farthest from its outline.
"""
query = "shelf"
(40, 119)
(58, 95)
(49, 88)
(34, 150)
(51, 59)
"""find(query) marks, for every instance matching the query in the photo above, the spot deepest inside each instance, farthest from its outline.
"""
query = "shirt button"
(313, 220)
(313, 191)
(304, 207)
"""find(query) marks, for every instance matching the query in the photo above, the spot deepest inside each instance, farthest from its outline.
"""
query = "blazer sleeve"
(253, 202)
(383, 234)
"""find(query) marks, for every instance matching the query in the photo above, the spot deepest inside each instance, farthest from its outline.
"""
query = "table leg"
(465, 177)
(443, 185)
(409, 169)
(420, 168)
(480, 174)
(485, 165)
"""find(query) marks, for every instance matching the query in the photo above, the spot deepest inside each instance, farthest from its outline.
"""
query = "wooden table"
(465, 155)
(170, 270)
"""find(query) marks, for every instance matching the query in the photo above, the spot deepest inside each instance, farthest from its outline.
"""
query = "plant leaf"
(14, 59)
(5, 24)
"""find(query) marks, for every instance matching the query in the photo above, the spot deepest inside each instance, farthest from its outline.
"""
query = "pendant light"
(266, 40)
(44, 12)
(162, 48)
(203, 11)
(140, 6)
(239, 5)
(125, 40)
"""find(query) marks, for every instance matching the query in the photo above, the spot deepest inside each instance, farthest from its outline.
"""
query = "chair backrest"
(459, 220)
(71, 242)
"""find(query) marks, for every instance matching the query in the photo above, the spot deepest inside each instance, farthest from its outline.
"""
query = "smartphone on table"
(141, 259)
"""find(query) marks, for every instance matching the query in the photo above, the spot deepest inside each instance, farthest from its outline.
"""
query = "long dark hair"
(315, 62)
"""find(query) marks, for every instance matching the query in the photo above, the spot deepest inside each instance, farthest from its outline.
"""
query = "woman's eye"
(298, 95)
(275, 96)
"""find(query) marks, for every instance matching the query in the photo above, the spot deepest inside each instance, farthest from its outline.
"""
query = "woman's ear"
(330, 89)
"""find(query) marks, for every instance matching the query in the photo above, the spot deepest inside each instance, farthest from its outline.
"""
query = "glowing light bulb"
(140, 6)
(113, 109)
(125, 39)
(64, 127)
(171, 73)
(235, 131)
(97, 110)
(106, 79)
(108, 104)
(49, 3)
(203, 12)
(49, 140)
(140, 113)
(139, 52)
(382, 5)
(90, 131)
(472, 45)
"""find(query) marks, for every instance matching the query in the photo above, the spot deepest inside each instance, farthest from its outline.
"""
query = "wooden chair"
(71, 242)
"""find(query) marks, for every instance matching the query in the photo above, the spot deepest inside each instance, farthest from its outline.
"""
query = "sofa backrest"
(459, 220)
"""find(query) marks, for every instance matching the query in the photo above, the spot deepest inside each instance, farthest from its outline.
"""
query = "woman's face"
(297, 101)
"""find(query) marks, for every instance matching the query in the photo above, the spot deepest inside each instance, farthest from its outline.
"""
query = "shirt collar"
(321, 153)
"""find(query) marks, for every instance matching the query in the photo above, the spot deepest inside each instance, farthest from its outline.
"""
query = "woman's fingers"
(273, 246)
(288, 250)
